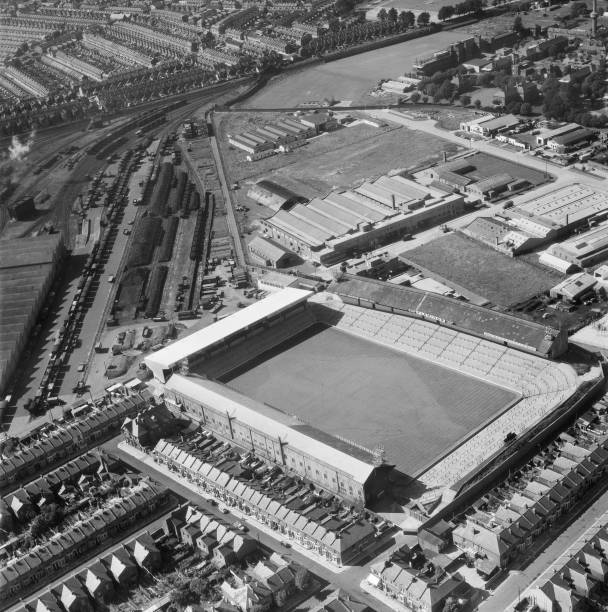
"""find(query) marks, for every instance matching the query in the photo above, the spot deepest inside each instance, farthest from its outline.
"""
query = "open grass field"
(350, 78)
(339, 159)
(371, 394)
(502, 280)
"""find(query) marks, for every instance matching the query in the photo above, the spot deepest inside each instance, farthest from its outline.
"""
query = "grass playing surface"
(371, 394)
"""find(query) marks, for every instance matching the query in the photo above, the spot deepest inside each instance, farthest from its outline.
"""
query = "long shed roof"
(240, 320)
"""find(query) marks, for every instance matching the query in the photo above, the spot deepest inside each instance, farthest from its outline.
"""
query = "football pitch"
(371, 394)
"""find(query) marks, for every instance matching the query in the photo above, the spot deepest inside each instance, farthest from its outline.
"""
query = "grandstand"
(465, 376)
(499, 327)
(541, 384)
(207, 342)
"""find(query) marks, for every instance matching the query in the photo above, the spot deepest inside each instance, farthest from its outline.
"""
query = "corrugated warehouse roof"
(403, 187)
(494, 181)
(273, 423)
(268, 250)
(239, 321)
(343, 201)
(29, 251)
(573, 137)
(380, 194)
(335, 212)
(320, 221)
(505, 121)
(302, 230)
(566, 204)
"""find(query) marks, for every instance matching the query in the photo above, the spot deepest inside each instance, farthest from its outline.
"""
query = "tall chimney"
(594, 16)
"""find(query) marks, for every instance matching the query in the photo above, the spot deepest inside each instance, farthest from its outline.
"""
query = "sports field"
(371, 394)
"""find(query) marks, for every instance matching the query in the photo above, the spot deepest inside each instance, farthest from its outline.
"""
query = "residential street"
(562, 545)
(348, 579)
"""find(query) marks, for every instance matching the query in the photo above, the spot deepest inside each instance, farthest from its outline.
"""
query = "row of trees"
(406, 19)
(462, 8)
(360, 32)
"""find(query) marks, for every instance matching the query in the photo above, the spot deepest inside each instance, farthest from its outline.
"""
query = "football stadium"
(342, 385)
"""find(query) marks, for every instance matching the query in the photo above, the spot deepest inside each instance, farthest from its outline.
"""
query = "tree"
(423, 19)
(445, 12)
(415, 97)
(465, 100)
(408, 18)
(445, 91)
(392, 14)
(477, 104)
(526, 109)
(577, 9)
(382, 15)
(344, 6)
(518, 25)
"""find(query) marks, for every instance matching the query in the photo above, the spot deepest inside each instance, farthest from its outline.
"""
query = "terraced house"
(295, 513)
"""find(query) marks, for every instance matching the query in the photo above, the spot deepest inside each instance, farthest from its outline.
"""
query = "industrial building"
(500, 235)
(547, 134)
(332, 229)
(28, 267)
(562, 210)
(468, 175)
(270, 253)
(489, 125)
(574, 288)
(583, 250)
(273, 196)
(286, 132)
(565, 143)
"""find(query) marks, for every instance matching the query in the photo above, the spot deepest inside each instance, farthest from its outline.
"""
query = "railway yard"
(140, 240)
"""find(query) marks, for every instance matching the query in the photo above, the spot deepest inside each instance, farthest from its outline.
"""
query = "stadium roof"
(277, 424)
(240, 320)
(467, 317)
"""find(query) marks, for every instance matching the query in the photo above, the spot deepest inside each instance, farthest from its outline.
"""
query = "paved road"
(563, 176)
(233, 226)
(348, 579)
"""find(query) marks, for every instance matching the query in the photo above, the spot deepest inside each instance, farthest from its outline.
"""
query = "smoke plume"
(18, 150)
